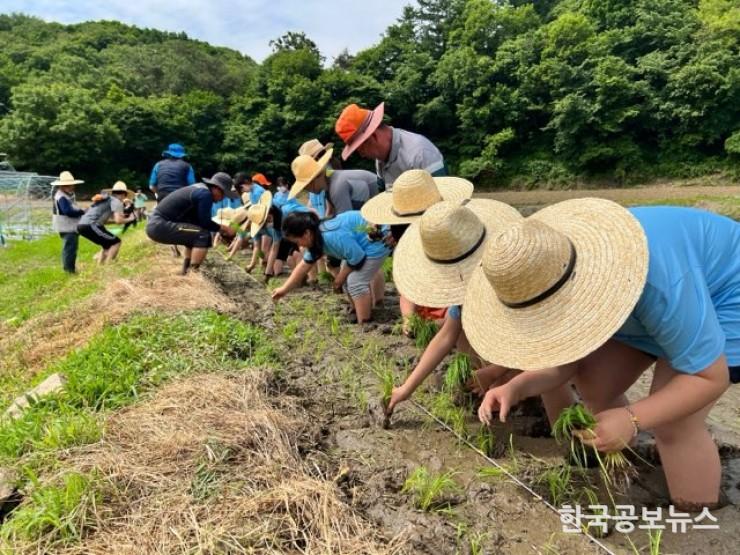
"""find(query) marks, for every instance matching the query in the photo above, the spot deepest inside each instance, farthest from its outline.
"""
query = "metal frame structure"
(25, 206)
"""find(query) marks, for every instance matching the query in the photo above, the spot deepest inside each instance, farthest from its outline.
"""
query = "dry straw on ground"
(48, 337)
(208, 466)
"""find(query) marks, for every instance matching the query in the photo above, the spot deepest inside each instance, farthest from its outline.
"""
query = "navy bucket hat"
(175, 150)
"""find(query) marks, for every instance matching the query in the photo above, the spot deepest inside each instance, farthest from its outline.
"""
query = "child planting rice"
(432, 264)
(361, 275)
(414, 192)
(588, 291)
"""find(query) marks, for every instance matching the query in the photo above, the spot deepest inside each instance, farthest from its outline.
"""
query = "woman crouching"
(345, 237)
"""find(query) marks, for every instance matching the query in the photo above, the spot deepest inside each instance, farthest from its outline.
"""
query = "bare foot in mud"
(489, 376)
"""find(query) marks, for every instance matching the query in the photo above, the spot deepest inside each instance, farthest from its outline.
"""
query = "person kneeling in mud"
(586, 290)
(345, 237)
(184, 218)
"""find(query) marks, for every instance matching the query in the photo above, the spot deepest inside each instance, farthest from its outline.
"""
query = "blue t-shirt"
(318, 201)
(689, 311)
(255, 193)
(280, 198)
(344, 239)
(455, 312)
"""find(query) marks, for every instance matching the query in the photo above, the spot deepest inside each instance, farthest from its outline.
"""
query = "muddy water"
(320, 367)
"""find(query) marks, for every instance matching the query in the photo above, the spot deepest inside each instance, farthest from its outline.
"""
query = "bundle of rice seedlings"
(615, 468)
(430, 491)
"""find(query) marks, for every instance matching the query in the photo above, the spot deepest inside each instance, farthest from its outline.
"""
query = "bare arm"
(684, 394)
(439, 347)
(295, 279)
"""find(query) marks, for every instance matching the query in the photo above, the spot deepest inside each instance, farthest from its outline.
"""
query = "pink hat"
(356, 124)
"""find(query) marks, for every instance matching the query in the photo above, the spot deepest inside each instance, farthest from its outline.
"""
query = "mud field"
(328, 367)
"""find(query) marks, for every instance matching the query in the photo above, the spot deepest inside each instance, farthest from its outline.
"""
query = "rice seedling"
(422, 330)
(492, 472)
(290, 329)
(615, 468)
(325, 278)
(361, 399)
(388, 269)
(477, 541)
(444, 408)
(334, 326)
(430, 490)
(656, 536)
(558, 483)
(485, 440)
(459, 371)
(387, 383)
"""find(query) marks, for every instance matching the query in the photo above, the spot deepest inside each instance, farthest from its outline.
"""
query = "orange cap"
(350, 121)
(261, 179)
(354, 125)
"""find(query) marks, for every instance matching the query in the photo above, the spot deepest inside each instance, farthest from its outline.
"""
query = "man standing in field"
(184, 218)
(394, 150)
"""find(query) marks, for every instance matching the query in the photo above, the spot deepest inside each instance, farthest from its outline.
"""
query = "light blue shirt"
(455, 312)
(318, 202)
(280, 198)
(689, 311)
(255, 193)
(344, 239)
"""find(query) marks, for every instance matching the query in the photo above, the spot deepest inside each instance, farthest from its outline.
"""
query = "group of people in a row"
(583, 294)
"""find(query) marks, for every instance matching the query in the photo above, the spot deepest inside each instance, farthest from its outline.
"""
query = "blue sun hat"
(175, 150)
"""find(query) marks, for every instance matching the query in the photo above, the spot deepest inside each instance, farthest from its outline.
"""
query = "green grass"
(32, 279)
(430, 490)
(120, 363)
(388, 269)
(58, 514)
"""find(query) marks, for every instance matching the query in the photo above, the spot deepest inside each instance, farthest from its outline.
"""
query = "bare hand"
(278, 294)
(390, 241)
(499, 399)
(613, 431)
(398, 395)
(226, 231)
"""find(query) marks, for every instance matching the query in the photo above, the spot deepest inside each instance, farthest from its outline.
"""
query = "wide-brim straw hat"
(120, 187)
(66, 179)
(259, 212)
(232, 217)
(413, 193)
(436, 256)
(306, 169)
(313, 148)
(556, 286)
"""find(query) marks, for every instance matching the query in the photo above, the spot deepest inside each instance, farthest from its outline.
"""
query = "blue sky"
(246, 25)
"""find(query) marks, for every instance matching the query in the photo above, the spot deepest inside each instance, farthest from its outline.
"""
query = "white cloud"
(246, 26)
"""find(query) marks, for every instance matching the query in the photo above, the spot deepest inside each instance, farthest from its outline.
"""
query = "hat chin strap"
(553, 289)
(463, 256)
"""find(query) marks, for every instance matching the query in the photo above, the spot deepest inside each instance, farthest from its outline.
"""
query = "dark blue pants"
(69, 251)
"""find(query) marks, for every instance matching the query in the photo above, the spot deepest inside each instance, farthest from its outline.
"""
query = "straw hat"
(306, 169)
(413, 192)
(259, 212)
(119, 187)
(232, 217)
(436, 256)
(313, 148)
(246, 201)
(556, 286)
(66, 178)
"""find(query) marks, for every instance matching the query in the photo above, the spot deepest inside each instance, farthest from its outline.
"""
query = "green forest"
(514, 93)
